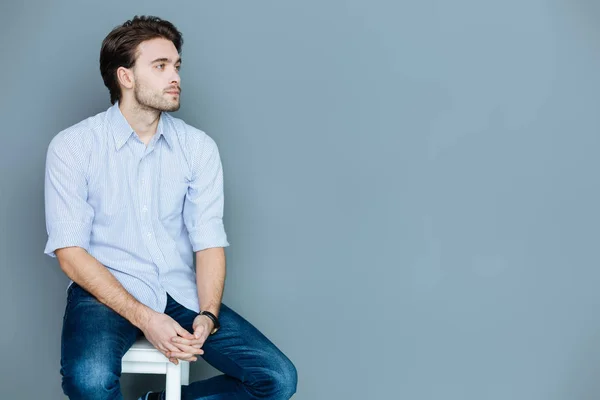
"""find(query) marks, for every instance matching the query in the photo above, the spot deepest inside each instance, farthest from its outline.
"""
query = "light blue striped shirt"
(142, 211)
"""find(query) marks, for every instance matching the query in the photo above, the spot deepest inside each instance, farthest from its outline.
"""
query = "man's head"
(139, 63)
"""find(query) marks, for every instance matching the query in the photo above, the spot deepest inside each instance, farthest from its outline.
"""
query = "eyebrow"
(165, 60)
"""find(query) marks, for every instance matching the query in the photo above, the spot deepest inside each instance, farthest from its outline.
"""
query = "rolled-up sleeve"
(68, 215)
(203, 205)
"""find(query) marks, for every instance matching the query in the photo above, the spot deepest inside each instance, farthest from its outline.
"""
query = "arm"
(158, 328)
(69, 220)
(210, 279)
(91, 275)
(203, 217)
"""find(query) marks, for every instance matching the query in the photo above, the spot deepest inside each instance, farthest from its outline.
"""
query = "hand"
(160, 329)
(202, 327)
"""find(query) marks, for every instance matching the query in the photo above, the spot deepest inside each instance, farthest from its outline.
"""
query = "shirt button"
(149, 234)
(142, 181)
(144, 209)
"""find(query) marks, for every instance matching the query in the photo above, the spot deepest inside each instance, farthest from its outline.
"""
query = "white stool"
(143, 358)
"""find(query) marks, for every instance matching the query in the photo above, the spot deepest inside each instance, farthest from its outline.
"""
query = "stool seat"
(143, 358)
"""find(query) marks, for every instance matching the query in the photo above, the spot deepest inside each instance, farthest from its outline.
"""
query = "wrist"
(211, 324)
(142, 317)
(213, 319)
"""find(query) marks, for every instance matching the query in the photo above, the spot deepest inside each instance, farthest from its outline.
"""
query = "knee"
(90, 379)
(287, 380)
(276, 381)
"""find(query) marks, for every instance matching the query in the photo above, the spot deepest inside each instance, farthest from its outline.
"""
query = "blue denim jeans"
(95, 338)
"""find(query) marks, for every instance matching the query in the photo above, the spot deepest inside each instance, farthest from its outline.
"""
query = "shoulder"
(189, 136)
(80, 138)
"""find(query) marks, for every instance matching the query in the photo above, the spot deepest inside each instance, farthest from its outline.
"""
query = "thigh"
(238, 349)
(94, 340)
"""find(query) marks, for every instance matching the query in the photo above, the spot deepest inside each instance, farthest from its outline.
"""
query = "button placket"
(146, 202)
(145, 198)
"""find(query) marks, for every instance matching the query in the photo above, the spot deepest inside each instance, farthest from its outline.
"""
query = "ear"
(125, 77)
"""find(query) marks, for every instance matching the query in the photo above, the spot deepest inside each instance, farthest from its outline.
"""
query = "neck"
(143, 120)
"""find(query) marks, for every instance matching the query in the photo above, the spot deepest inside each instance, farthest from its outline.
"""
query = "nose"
(175, 78)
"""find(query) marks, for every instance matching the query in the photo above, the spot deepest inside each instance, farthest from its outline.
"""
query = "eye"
(160, 66)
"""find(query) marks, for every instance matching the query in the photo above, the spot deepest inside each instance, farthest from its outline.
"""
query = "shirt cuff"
(68, 234)
(208, 236)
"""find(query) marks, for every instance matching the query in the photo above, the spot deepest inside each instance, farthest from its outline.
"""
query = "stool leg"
(185, 373)
(173, 387)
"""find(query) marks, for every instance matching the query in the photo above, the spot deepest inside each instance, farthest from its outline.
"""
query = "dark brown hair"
(120, 45)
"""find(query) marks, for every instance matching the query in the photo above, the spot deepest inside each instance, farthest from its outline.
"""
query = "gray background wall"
(411, 186)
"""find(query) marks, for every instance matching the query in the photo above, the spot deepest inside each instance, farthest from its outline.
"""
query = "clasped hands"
(175, 342)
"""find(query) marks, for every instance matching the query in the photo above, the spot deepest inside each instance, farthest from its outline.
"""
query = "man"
(132, 195)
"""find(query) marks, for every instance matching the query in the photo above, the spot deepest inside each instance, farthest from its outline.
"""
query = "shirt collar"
(121, 129)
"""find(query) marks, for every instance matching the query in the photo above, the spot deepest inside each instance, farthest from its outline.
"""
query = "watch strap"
(214, 319)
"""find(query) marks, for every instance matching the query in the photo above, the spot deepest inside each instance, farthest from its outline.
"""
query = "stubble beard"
(150, 100)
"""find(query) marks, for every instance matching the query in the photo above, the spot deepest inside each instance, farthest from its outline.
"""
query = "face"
(157, 84)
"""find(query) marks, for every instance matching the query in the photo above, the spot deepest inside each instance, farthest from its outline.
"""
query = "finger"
(175, 349)
(187, 342)
(163, 349)
(168, 347)
(199, 332)
(189, 349)
(183, 333)
(183, 356)
(171, 359)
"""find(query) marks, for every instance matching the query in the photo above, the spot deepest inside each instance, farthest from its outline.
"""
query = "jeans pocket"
(70, 292)
(69, 301)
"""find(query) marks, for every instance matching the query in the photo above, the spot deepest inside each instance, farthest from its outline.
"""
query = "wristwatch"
(214, 319)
